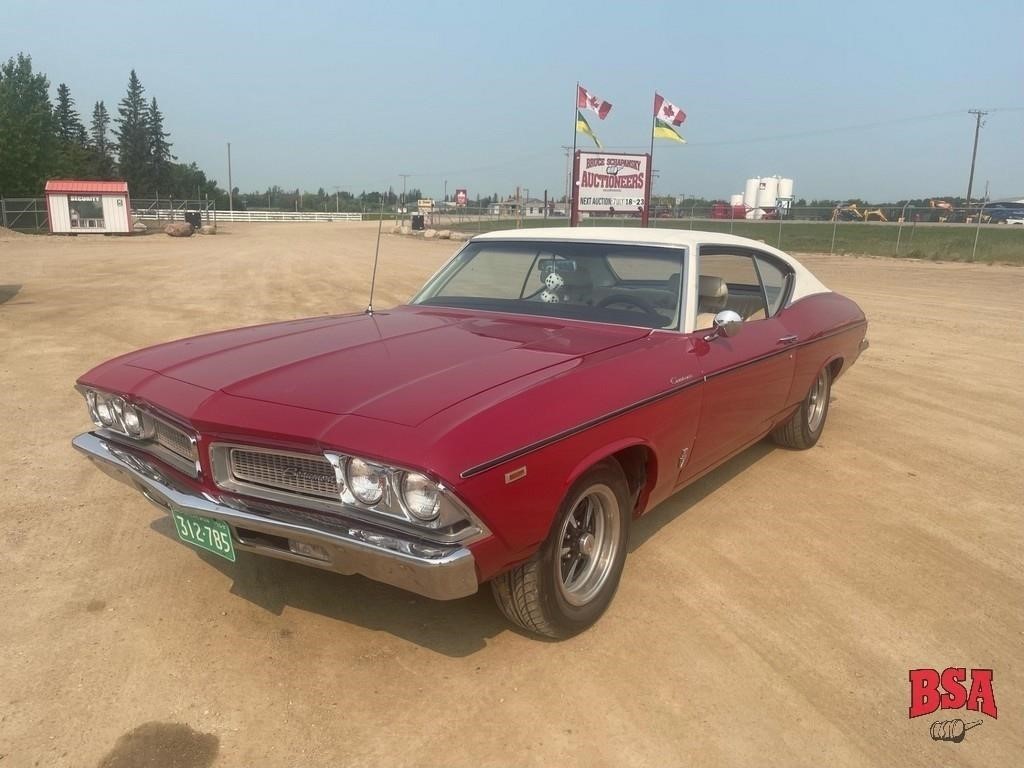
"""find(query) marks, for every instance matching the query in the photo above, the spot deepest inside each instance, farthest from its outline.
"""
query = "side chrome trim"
(350, 547)
(476, 470)
(519, 452)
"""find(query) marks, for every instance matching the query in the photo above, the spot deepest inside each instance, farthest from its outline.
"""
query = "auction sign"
(611, 184)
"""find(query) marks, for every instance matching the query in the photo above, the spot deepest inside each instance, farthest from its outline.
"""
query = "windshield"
(636, 285)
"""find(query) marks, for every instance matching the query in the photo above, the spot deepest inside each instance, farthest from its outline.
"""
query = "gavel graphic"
(951, 730)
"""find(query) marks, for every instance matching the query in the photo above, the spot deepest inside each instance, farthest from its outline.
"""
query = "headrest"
(712, 287)
(674, 281)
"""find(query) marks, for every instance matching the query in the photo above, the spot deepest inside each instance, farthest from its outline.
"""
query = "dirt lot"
(767, 616)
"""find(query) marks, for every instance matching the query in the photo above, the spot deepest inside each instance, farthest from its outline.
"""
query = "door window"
(749, 284)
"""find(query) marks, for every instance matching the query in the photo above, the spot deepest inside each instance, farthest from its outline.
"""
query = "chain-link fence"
(168, 209)
(24, 214)
(990, 233)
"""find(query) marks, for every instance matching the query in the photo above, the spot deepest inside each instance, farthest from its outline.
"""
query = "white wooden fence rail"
(154, 213)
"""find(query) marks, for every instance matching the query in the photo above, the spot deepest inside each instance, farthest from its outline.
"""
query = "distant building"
(92, 207)
(527, 207)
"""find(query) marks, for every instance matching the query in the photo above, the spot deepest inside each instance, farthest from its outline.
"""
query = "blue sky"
(480, 94)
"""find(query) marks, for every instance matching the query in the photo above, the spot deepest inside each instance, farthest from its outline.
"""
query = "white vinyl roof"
(805, 282)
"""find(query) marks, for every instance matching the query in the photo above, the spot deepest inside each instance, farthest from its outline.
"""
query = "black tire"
(535, 595)
(802, 430)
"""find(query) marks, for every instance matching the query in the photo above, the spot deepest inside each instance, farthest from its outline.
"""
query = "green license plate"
(211, 535)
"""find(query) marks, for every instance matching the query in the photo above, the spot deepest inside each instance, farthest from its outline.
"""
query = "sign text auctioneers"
(611, 183)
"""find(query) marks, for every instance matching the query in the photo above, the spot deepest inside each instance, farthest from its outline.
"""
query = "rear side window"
(774, 281)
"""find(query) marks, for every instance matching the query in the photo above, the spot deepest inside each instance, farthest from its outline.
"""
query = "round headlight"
(132, 422)
(366, 481)
(105, 411)
(421, 496)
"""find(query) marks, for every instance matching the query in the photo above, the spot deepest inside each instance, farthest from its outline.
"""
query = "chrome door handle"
(788, 340)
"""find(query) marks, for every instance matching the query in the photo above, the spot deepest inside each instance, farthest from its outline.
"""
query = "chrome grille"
(293, 473)
(174, 439)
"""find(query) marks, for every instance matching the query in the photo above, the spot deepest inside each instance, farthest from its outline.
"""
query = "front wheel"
(571, 579)
(805, 426)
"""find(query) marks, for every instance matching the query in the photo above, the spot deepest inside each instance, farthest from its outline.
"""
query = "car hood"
(402, 366)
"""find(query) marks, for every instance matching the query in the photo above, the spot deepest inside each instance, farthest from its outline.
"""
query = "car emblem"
(515, 474)
(293, 475)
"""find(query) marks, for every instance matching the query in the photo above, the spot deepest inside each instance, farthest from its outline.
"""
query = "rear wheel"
(805, 426)
(571, 579)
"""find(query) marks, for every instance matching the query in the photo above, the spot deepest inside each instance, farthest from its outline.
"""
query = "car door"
(747, 377)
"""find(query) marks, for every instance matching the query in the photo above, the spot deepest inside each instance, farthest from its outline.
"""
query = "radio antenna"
(376, 255)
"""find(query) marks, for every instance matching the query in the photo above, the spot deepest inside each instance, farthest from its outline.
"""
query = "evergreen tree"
(99, 143)
(133, 138)
(160, 156)
(73, 160)
(69, 124)
(28, 137)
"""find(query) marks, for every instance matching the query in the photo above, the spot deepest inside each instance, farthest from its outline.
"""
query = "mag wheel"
(570, 581)
(805, 426)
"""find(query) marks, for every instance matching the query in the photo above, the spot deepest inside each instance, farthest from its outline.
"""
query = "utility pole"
(402, 205)
(978, 114)
(231, 202)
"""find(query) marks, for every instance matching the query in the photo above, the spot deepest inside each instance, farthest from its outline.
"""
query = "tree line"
(40, 140)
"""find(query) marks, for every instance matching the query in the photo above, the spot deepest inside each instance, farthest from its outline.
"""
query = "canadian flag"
(586, 100)
(667, 111)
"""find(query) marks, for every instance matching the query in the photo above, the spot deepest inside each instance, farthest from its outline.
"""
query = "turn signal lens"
(366, 481)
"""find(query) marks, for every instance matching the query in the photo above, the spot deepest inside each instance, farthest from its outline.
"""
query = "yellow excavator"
(851, 212)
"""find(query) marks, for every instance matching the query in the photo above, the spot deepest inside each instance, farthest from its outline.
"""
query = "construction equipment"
(851, 212)
(944, 209)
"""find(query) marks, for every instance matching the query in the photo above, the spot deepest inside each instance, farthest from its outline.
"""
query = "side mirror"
(727, 323)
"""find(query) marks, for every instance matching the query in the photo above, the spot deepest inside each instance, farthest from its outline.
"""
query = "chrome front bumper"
(437, 571)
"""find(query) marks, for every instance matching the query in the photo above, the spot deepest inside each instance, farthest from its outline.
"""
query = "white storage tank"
(786, 188)
(735, 200)
(768, 192)
(750, 193)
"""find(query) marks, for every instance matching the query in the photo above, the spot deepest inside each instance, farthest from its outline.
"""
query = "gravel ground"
(768, 615)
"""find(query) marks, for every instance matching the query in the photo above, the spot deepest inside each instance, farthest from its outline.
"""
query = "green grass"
(997, 243)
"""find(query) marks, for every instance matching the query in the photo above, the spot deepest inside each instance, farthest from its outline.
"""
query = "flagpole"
(654, 119)
(572, 165)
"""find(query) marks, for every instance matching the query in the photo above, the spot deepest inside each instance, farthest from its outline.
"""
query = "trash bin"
(417, 221)
(195, 218)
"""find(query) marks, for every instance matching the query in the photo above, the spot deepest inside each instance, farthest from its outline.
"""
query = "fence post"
(835, 223)
(3, 212)
(778, 209)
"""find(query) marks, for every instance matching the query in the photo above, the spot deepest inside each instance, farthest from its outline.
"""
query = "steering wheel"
(636, 301)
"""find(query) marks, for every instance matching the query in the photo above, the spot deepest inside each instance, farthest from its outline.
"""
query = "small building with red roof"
(91, 207)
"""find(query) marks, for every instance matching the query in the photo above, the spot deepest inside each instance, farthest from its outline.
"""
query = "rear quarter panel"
(830, 328)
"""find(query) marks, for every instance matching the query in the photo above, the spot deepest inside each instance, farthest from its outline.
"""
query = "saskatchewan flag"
(582, 126)
(664, 130)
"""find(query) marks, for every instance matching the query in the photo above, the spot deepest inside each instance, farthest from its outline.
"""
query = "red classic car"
(544, 389)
